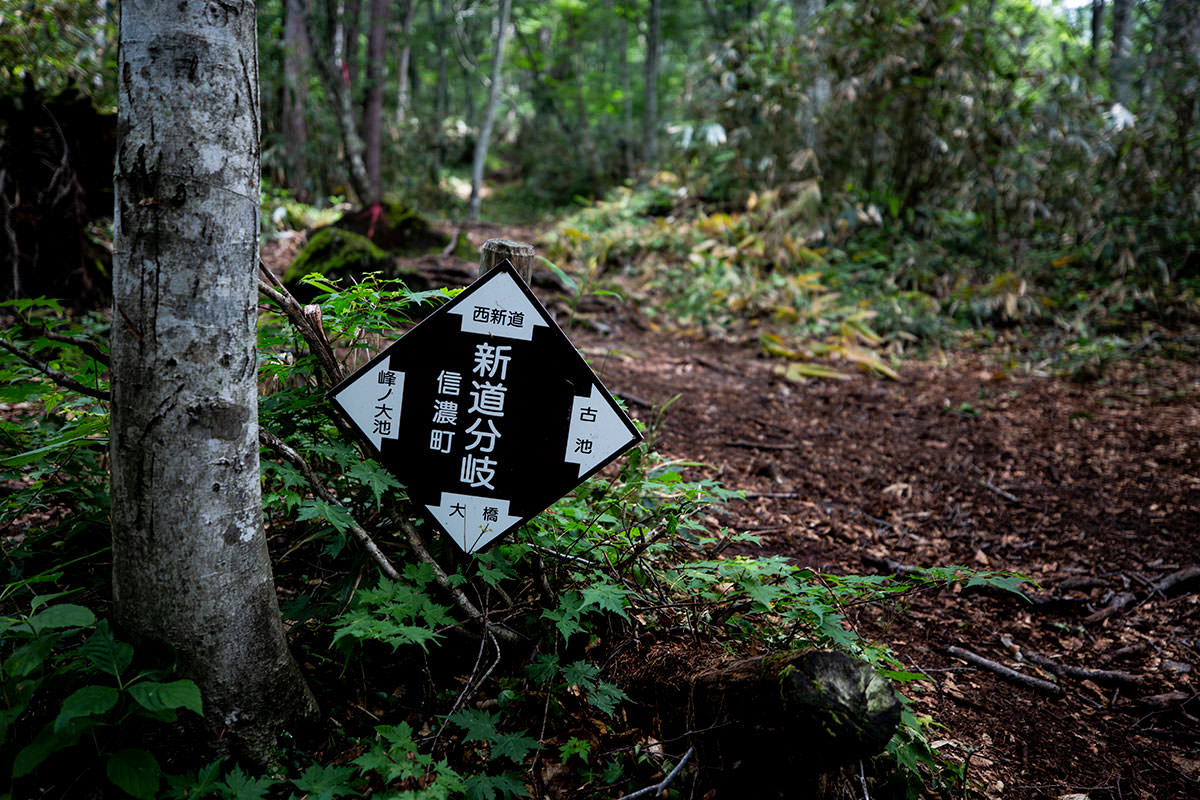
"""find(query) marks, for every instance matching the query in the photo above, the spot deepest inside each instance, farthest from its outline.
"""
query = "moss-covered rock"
(336, 252)
(396, 228)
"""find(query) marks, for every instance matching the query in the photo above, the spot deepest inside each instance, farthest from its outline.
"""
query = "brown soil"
(1094, 492)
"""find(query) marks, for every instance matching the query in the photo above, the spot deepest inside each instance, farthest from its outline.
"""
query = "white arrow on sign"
(596, 431)
(473, 521)
(499, 308)
(373, 402)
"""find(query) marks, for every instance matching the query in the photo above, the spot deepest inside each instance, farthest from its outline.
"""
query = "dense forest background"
(993, 198)
(1012, 158)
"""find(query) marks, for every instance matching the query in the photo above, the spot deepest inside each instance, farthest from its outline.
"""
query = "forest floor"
(1091, 490)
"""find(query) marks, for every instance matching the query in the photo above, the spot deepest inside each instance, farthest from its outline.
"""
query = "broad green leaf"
(325, 783)
(479, 725)
(514, 746)
(240, 786)
(105, 652)
(37, 751)
(29, 657)
(76, 433)
(66, 615)
(606, 697)
(374, 477)
(575, 747)
(154, 696)
(491, 787)
(136, 772)
(901, 676)
(86, 702)
(608, 597)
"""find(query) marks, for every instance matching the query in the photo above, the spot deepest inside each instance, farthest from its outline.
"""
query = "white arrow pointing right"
(596, 431)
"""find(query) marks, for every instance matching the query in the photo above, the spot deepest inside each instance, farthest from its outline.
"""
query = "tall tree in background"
(404, 64)
(336, 66)
(1118, 60)
(295, 97)
(653, 34)
(373, 108)
(191, 569)
(489, 112)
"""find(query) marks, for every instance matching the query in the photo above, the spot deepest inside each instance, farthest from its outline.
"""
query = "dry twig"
(661, 786)
(1011, 675)
(297, 460)
(62, 379)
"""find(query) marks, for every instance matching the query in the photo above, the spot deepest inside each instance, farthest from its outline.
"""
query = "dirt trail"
(1091, 490)
(1095, 493)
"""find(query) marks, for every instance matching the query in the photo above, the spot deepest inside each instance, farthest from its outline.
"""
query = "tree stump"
(776, 722)
(496, 250)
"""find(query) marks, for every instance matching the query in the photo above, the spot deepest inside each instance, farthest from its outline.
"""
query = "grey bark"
(334, 68)
(519, 254)
(403, 94)
(1097, 35)
(1118, 61)
(650, 132)
(489, 112)
(627, 130)
(373, 112)
(191, 569)
(295, 97)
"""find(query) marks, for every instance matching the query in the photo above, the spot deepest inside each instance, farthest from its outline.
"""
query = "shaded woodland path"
(1093, 492)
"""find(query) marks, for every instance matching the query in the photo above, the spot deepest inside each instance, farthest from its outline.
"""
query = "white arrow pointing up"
(596, 431)
(498, 307)
(373, 402)
(473, 521)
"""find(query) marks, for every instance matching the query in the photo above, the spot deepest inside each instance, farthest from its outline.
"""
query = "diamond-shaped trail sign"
(485, 411)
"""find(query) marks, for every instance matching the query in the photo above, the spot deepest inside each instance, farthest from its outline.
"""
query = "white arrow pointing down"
(473, 521)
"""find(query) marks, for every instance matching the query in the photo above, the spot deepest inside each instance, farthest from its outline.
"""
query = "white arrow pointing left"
(473, 521)
(373, 402)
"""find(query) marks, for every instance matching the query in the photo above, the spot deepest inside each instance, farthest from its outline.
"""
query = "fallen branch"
(460, 598)
(1011, 675)
(1009, 496)
(306, 319)
(292, 456)
(1181, 580)
(89, 348)
(662, 785)
(764, 445)
(62, 379)
(1082, 673)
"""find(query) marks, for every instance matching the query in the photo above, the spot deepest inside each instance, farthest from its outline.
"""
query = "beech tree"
(191, 569)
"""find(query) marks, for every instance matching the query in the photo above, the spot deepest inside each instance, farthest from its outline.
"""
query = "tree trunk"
(1118, 62)
(373, 112)
(334, 70)
(1097, 36)
(650, 132)
(441, 101)
(295, 98)
(627, 130)
(489, 112)
(403, 95)
(190, 564)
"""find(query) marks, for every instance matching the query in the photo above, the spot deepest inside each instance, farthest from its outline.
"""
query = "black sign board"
(486, 411)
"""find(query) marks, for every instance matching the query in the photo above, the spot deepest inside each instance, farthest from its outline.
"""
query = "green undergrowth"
(510, 697)
(835, 285)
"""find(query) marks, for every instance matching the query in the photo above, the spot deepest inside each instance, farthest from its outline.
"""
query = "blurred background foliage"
(1006, 162)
